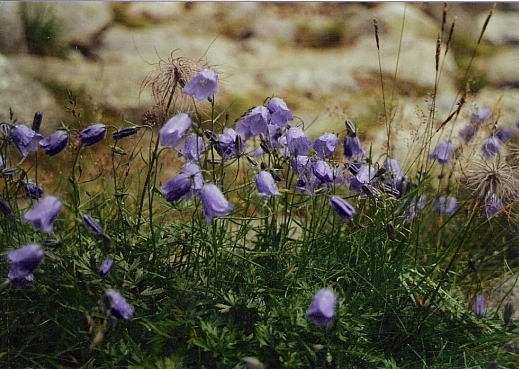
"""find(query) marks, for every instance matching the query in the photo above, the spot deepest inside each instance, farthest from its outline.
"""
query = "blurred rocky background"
(322, 58)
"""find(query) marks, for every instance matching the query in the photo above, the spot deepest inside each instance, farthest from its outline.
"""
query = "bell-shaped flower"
(214, 202)
(229, 144)
(117, 305)
(342, 208)
(478, 306)
(325, 145)
(254, 123)
(188, 181)
(393, 171)
(25, 139)
(352, 148)
(442, 152)
(322, 308)
(55, 143)
(300, 164)
(307, 183)
(467, 133)
(43, 214)
(5, 209)
(32, 190)
(91, 225)
(280, 115)
(364, 176)
(494, 206)
(105, 267)
(445, 205)
(266, 185)
(174, 129)
(202, 85)
(323, 172)
(193, 148)
(416, 205)
(490, 146)
(125, 132)
(92, 134)
(297, 142)
(504, 134)
(23, 261)
(480, 116)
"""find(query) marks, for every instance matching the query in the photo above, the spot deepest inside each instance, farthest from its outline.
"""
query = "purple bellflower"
(325, 145)
(297, 142)
(193, 148)
(24, 261)
(467, 133)
(174, 129)
(445, 205)
(214, 202)
(6, 209)
(188, 181)
(300, 164)
(416, 205)
(43, 214)
(342, 208)
(352, 148)
(322, 308)
(125, 132)
(323, 172)
(280, 115)
(480, 116)
(364, 176)
(105, 267)
(266, 185)
(92, 134)
(494, 206)
(25, 139)
(490, 146)
(92, 226)
(32, 190)
(478, 306)
(504, 134)
(202, 85)
(442, 152)
(55, 143)
(307, 183)
(254, 123)
(117, 305)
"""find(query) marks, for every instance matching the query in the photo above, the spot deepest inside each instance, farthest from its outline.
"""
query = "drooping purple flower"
(92, 226)
(23, 261)
(322, 170)
(36, 121)
(189, 180)
(25, 139)
(352, 148)
(214, 202)
(31, 189)
(322, 308)
(197, 179)
(125, 132)
(55, 143)
(504, 134)
(478, 306)
(174, 129)
(266, 185)
(297, 142)
(43, 214)
(494, 206)
(274, 135)
(92, 134)
(300, 164)
(325, 145)
(393, 171)
(467, 133)
(6, 209)
(416, 205)
(117, 305)
(280, 115)
(480, 116)
(105, 267)
(490, 146)
(193, 148)
(254, 123)
(307, 183)
(445, 205)
(342, 208)
(202, 85)
(442, 152)
(225, 144)
(364, 176)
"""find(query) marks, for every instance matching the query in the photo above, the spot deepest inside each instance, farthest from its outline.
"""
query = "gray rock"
(502, 29)
(503, 67)
(12, 36)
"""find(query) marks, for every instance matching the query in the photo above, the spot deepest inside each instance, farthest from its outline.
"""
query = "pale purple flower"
(445, 205)
(23, 261)
(504, 134)
(202, 85)
(480, 116)
(442, 152)
(478, 306)
(322, 308)
(266, 185)
(188, 181)
(342, 208)
(117, 305)
(43, 214)
(393, 171)
(55, 143)
(297, 142)
(25, 139)
(125, 132)
(467, 133)
(280, 115)
(494, 206)
(32, 190)
(105, 267)
(307, 183)
(229, 144)
(364, 176)
(92, 226)
(352, 148)
(323, 172)
(416, 205)
(193, 148)
(300, 164)
(92, 134)
(214, 202)
(254, 123)
(174, 129)
(325, 145)
(490, 146)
